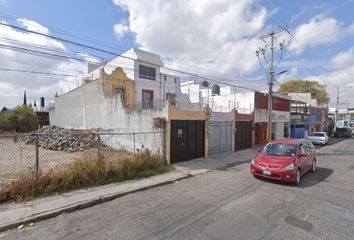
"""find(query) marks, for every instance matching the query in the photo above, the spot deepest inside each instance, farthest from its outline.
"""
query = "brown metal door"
(179, 141)
(242, 135)
(192, 139)
(200, 138)
(187, 140)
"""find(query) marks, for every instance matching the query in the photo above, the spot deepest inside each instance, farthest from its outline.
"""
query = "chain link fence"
(42, 152)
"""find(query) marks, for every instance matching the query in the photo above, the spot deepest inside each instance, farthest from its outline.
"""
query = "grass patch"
(88, 171)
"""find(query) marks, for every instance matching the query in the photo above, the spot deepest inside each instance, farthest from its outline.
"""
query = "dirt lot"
(16, 157)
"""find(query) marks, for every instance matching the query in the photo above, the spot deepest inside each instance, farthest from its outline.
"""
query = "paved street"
(331, 141)
(223, 204)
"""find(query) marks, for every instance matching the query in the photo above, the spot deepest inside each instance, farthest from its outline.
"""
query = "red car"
(285, 160)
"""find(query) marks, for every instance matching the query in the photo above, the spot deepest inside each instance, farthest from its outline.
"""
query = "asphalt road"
(331, 141)
(224, 204)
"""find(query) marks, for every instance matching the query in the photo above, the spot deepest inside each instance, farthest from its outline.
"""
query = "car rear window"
(318, 134)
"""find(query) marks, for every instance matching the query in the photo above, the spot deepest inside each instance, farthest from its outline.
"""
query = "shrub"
(90, 170)
(22, 119)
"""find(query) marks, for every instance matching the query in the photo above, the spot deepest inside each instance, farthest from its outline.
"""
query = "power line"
(116, 54)
(65, 33)
(36, 72)
(270, 35)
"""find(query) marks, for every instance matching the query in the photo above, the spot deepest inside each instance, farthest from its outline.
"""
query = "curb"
(82, 205)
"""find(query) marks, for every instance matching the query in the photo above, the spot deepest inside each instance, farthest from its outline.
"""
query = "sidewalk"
(15, 214)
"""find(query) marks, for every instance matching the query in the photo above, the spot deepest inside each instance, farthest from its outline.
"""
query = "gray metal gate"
(220, 137)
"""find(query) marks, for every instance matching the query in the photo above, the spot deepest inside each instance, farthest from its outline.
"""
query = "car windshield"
(318, 134)
(280, 149)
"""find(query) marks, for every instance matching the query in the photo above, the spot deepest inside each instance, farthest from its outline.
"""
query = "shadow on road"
(308, 180)
(311, 179)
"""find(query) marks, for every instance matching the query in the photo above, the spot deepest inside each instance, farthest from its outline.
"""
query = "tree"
(22, 119)
(306, 86)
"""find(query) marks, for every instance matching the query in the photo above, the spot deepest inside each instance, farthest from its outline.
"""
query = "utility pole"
(270, 35)
(337, 105)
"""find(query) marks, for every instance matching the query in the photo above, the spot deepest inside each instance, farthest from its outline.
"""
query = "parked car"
(343, 132)
(318, 138)
(285, 160)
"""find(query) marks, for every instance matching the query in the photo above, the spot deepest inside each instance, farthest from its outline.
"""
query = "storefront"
(280, 117)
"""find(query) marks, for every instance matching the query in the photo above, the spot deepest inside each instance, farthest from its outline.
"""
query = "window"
(302, 150)
(164, 77)
(318, 134)
(280, 149)
(147, 72)
(148, 98)
(307, 147)
(119, 91)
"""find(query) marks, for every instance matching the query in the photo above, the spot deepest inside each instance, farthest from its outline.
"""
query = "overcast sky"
(213, 38)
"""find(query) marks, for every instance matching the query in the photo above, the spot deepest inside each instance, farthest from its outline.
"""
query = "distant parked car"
(343, 133)
(318, 138)
(285, 160)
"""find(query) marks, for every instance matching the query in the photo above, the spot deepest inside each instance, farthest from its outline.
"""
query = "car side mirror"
(258, 149)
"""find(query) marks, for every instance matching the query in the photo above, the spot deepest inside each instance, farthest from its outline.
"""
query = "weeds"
(88, 171)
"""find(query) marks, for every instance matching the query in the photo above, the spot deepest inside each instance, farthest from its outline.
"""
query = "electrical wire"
(36, 72)
(116, 54)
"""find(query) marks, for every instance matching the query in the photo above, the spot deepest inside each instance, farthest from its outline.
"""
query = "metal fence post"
(220, 137)
(134, 142)
(37, 154)
(99, 145)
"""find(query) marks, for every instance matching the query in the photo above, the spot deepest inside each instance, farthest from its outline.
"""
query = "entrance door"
(187, 140)
(260, 133)
(242, 135)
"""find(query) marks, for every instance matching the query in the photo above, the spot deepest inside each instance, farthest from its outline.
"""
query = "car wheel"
(313, 167)
(298, 177)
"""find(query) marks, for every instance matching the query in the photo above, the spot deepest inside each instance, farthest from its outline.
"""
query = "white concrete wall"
(228, 99)
(86, 108)
(278, 130)
(261, 115)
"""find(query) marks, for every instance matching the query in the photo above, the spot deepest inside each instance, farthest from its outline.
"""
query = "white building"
(128, 94)
(228, 99)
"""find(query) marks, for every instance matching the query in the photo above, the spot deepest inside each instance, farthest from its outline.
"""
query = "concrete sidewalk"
(15, 214)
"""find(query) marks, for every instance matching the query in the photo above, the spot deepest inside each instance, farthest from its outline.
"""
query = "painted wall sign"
(277, 116)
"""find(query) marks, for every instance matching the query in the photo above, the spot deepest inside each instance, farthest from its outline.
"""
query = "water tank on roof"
(215, 89)
(205, 84)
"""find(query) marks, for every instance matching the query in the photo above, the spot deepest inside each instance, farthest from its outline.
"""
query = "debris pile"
(64, 139)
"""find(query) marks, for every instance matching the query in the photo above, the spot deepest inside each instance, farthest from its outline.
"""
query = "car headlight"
(253, 162)
(289, 167)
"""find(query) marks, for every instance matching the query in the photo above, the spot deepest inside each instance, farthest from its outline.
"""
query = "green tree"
(306, 86)
(21, 118)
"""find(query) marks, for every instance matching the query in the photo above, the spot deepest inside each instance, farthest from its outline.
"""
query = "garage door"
(220, 137)
(187, 140)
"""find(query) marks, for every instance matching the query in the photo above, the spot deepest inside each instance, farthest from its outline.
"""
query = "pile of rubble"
(63, 139)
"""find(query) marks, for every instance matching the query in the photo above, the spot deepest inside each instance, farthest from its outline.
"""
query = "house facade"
(280, 117)
(246, 109)
(128, 95)
(300, 119)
